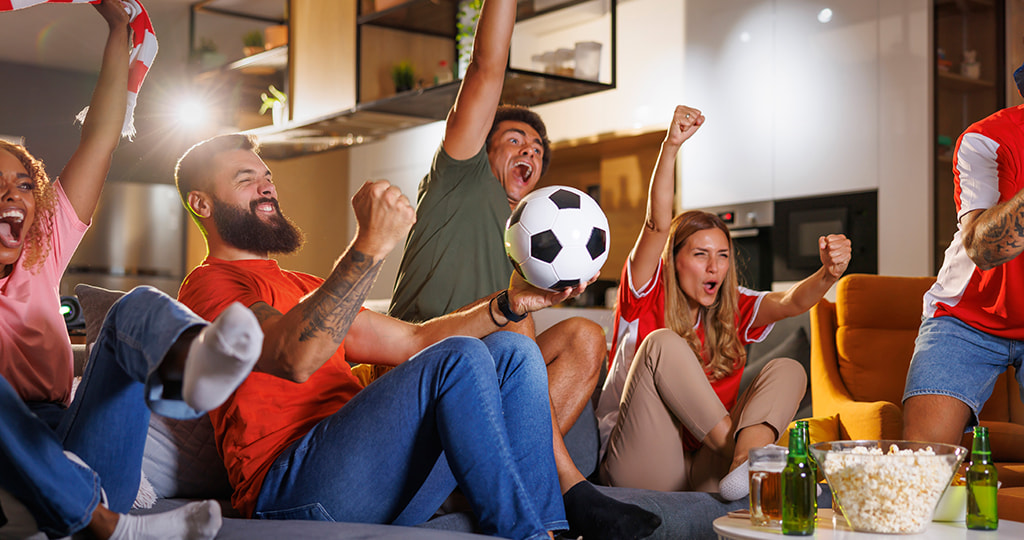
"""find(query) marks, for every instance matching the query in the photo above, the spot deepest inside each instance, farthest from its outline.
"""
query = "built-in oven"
(750, 226)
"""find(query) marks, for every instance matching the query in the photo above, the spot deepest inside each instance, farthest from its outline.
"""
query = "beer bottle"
(982, 481)
(798, 494)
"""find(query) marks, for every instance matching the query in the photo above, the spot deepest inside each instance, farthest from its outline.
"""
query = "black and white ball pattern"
(557, 237)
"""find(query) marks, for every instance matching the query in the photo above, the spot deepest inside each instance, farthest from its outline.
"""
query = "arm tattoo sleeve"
(334, 306)
(1003, 238)
(263, 311)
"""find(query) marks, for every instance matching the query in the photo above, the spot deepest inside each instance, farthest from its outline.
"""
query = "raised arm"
(471, 116)
(298, 342)
(84, 174)
(835, 253)
(643, 260)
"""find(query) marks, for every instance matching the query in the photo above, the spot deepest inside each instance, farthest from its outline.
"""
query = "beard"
(247, 231)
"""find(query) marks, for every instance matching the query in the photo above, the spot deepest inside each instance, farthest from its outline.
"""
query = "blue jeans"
(952, 358)
(483, 403)
(106, 423)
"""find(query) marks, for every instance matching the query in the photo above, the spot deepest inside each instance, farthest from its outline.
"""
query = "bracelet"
(506, 309)
(491, 313)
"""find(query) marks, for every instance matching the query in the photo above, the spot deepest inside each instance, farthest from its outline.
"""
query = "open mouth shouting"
(11, 225)
(711, 287)
(522, 171)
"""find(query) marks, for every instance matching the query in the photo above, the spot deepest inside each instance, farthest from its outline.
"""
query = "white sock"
(221, 357)
(736, 484)
(194, 521)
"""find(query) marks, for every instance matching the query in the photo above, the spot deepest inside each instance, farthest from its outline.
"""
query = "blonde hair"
(37, 243)
(722, 352)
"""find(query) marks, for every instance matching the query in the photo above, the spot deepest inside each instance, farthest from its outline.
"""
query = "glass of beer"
(766, 466)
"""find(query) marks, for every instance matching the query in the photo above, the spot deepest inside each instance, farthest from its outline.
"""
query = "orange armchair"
(860, 352)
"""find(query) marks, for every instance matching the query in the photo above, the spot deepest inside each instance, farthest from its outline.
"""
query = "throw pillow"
(820, 429)
(181, 458)
(96, 301)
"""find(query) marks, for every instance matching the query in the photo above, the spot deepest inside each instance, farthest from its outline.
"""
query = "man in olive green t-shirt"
(489, 159)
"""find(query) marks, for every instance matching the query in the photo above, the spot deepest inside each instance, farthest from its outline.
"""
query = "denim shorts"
(954, 359)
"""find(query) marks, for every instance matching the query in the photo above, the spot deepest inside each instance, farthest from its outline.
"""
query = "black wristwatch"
(506, 310)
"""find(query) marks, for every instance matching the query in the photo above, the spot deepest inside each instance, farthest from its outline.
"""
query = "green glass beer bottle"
(799, 512)
(982, 481)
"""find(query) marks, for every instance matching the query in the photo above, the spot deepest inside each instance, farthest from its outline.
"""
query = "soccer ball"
(557, 237)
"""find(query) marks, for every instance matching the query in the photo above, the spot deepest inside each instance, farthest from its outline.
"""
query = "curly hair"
(37, 243)
(722, 352)
(518, 113)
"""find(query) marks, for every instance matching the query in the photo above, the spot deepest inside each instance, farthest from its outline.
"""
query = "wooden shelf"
(369, 121)
(268, 61)
(955, 81)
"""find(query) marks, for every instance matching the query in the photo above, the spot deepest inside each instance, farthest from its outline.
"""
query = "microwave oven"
(798, 223)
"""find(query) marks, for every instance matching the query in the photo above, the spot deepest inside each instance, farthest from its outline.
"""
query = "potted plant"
(402, 76)
(207, 55)
(252, 42)
(275, 103)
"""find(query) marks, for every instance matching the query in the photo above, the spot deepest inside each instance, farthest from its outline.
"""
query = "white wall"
(402, 159)
(797, 106)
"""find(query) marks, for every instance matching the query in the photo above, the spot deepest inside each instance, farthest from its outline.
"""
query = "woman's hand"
(685, 122)
(835, 253)
(114, 12)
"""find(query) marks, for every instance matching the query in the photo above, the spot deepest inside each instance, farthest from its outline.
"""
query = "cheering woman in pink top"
(57, 452)
(670, 414)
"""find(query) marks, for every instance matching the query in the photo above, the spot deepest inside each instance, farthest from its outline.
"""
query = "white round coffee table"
(739, 528)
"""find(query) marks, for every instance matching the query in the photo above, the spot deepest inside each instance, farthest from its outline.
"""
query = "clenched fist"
(835, 251)
(384, 217)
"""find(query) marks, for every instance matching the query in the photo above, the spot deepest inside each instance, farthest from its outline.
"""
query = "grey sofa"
(181, 464)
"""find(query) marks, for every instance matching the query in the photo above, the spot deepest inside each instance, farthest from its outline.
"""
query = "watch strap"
(506, 309)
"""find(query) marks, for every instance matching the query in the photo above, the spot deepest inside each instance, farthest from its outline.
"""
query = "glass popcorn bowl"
(887, 486)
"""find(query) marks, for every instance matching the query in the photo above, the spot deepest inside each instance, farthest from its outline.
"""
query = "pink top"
(35, 351)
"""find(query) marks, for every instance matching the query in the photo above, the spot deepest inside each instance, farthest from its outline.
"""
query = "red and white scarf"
(144, 47)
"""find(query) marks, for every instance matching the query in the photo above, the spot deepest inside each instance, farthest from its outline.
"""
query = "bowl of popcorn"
(887, 486)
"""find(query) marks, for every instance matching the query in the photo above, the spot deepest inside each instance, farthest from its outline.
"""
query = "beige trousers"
(666, 391)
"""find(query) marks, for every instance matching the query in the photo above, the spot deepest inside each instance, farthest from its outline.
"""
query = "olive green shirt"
(455, 253)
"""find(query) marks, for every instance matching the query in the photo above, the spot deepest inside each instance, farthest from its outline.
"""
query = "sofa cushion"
(877, 325)
(181, 458)
(95, 301)
(819, 429)
(873, 362)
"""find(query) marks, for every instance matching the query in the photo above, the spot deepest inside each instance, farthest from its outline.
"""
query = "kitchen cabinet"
(354, 100)
(963, 93)
(792, 96)
(230, 82)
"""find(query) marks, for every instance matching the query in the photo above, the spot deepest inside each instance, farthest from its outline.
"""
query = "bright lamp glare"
(192, 113)
(825, 16)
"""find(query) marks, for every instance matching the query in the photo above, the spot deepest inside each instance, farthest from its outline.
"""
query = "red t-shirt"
(266, 414)
(988, 169)
(640, 312)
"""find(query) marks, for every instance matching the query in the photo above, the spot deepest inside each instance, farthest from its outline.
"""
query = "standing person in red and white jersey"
(973, 326)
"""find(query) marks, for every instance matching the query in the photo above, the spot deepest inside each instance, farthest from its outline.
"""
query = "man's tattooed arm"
(996, 235)
(298, 342)
(329, 312)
